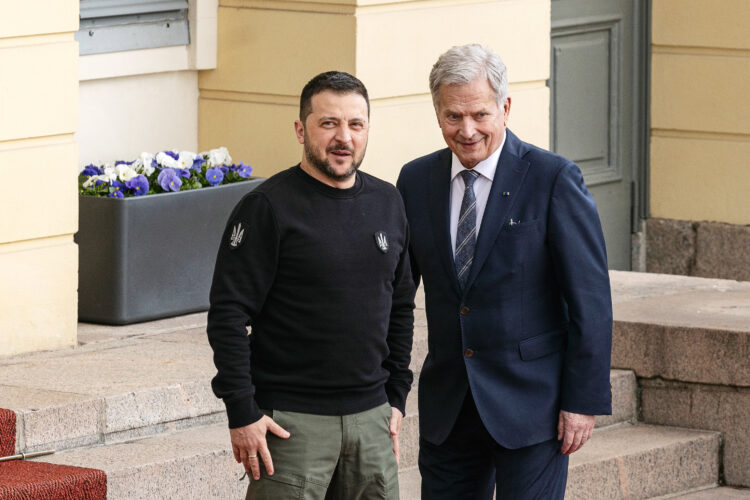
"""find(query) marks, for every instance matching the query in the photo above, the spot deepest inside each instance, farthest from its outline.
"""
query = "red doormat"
(7, 432)
(23, 480)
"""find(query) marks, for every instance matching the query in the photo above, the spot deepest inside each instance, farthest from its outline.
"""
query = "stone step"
(409, 484)
(631, 462)
(191, 464)
(624, 410)
(109, 392)
(688, 340)
(67, 411)
(135, 385)
(643, 461)
(624, 399)
(714, 494)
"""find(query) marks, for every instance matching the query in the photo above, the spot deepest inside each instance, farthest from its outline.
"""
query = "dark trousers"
(469, 464)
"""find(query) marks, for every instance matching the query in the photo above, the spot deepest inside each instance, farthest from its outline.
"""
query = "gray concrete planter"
(151, 257)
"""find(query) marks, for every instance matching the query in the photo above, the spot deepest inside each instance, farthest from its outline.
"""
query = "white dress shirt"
(486, 170)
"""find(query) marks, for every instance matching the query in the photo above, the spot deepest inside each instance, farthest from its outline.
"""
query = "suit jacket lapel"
(440, 194)
(511, 170)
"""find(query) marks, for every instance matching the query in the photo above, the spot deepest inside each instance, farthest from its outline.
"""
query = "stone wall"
(704, 249)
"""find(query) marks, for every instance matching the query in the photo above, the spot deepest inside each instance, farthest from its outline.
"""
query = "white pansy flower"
(91, 181)
(219, 156)
(165, 160)
(125, 172)
(147, 167)
(185, 159)
(109, 173)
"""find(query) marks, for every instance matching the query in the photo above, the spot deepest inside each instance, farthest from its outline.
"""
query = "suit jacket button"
(468, 353)
(464, 310)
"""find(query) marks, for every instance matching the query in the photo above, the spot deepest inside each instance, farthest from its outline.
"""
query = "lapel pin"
(513, 222)
(506, 193)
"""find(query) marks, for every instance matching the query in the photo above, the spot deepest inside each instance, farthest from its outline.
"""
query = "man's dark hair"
(336, 81)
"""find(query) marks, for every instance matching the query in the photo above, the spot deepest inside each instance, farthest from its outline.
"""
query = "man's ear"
(506, 109)
(299, 129)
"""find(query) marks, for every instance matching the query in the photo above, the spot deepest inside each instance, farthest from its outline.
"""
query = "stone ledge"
(700, 406)
(682, 353)
(681, 328)
(109, 390)
(628, 462)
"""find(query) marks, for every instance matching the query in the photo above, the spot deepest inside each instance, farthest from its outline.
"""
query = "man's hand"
(250, 441)
(574, 429)
(395, 428)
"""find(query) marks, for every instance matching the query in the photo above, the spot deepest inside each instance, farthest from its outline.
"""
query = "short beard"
(324, 166)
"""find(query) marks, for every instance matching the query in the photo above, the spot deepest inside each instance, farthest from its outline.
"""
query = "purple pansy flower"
(169, 180)
(183, 172)
(117, 186)
(197, 163)
(244, 170)
(138, 185)
(116, 194)
(91, 169)
(214, 176)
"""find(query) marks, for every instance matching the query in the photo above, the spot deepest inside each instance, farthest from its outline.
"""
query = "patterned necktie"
(466, 231)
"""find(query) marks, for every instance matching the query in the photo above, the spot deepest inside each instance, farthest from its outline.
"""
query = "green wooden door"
(596, 86)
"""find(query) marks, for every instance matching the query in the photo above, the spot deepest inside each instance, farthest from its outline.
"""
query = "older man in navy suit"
(508, 242)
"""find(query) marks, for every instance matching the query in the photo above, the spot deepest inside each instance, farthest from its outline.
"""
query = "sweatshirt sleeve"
(244, 272)
(401, 331)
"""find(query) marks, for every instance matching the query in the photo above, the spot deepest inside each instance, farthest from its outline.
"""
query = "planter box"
(150, 257)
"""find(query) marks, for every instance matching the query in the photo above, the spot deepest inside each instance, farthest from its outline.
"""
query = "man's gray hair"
(462, 64)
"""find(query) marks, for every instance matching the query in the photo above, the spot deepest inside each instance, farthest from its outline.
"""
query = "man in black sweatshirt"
(315, 261)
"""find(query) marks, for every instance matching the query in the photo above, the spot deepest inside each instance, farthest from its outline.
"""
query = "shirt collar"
(486, 167)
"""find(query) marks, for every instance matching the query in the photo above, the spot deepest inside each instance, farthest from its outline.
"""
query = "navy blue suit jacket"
(536, 310)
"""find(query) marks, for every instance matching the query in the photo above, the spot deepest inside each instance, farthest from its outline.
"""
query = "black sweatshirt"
(322, 277)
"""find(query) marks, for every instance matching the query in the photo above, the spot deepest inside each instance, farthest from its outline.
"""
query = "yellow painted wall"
(38, 156)
(700, 114)
(267, 51)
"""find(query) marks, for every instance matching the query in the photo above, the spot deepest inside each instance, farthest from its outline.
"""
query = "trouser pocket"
(276, 487)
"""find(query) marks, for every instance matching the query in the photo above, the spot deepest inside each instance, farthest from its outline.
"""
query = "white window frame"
(200, 54)
(119, 25)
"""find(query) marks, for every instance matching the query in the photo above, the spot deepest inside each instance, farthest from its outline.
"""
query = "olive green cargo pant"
(326, 457)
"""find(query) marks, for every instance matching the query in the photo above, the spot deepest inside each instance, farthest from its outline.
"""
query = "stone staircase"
(135, 402)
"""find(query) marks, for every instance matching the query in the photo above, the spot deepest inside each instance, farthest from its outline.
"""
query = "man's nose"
(343, 134)
(467, 128)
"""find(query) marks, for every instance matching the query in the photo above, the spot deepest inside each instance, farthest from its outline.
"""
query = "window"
(117, 25)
